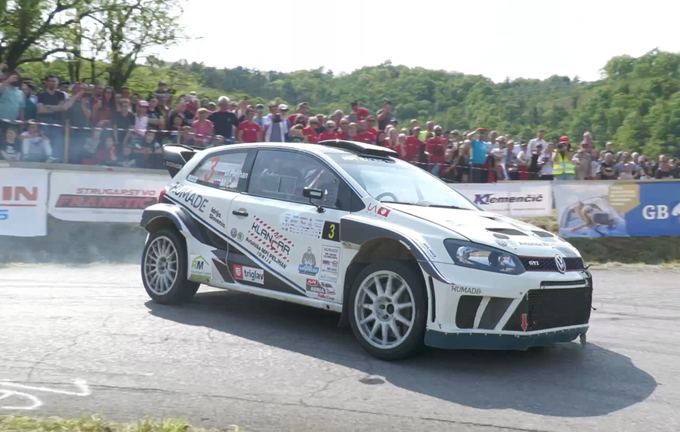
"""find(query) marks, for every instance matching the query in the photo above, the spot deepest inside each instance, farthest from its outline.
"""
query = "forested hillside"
(636, 104)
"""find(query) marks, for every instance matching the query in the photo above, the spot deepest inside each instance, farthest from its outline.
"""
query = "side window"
(283, 175)
(223, 171)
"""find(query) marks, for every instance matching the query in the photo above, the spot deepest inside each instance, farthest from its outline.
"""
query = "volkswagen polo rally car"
(348, 227)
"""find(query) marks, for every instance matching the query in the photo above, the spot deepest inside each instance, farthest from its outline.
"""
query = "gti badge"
(559, 263)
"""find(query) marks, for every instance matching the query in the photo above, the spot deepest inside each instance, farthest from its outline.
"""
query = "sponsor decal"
(502, 242)
(323, 290)
(429, 251)
(466, 290)
(486, 199)
(330, 263)
(124, 192)
(378, 210)
(308, 265)
(173, 165)
(532, 244)
(302, 225)
(23, 205)
(271, 239)
(216, 217)
(239, 237)
(188, 195)
(105, 202)
(192, 178)
(200, 269)
(265, 254)
(234, 232)
(248, 274)
(19, 196)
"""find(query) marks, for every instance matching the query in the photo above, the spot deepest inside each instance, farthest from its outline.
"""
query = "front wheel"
(388, 309)
(164, 268)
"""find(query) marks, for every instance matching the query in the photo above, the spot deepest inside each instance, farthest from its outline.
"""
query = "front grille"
(548, 264)
(552, 308)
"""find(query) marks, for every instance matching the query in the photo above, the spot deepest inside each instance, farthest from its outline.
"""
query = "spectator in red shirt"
(303, 109)
(381, 139)
(330, 133)
(436, 147)
(248, 130)
(357, 114)
(352, 132)
(364, 135)
(413, 145)
(370, 122)
(310, 131)
(342, 129)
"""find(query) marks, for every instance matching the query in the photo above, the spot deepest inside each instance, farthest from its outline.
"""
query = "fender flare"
(359, 232)
(177, 215)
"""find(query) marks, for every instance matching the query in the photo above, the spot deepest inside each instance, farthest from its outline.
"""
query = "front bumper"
(500, 341)
(482, 310)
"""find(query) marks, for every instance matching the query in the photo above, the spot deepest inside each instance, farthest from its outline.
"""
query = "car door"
(218, 180)
(296, 247)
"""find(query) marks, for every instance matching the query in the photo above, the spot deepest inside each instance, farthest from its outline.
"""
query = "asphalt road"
(88, 340)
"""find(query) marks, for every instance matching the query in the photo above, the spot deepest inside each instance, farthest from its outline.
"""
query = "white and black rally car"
(350, 228)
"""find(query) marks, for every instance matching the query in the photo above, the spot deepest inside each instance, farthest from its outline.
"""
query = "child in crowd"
(10, 150)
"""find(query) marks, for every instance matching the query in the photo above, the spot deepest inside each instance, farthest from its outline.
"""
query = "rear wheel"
(164, 268)
(388, 309)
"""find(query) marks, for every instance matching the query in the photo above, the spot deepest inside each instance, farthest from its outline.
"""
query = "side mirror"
(313, 194)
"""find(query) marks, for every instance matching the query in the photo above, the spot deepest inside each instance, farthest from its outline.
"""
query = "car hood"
(493, 230)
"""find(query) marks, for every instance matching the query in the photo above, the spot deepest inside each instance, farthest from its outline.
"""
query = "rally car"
(344, 226)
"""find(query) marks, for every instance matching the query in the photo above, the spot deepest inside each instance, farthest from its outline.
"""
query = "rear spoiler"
(176, 156)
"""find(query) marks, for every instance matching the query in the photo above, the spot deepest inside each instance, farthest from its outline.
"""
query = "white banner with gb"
(513, 198)
(105, 196)
(23, 202)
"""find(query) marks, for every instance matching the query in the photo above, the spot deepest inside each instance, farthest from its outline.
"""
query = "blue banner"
(618, 208)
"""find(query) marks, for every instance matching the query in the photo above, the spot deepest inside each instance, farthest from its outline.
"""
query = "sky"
(495, 38)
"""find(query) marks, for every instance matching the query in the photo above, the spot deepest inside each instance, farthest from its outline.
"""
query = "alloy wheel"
(161, 265)
(384, 309)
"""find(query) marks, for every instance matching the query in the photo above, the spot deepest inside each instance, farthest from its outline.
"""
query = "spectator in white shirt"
(538, 140)
(545, 163)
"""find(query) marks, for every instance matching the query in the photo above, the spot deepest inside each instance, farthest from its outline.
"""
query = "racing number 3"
(331, 231)
(214, 161)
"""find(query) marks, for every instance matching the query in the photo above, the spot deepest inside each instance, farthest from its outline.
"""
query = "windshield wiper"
(399, 202)
(447, 206)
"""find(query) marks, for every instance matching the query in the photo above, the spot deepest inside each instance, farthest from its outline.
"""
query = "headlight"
(476, 256)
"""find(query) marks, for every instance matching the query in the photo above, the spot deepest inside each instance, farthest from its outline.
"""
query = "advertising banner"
(516, 198)
(23, 202)
(103, 197)
(618, 208)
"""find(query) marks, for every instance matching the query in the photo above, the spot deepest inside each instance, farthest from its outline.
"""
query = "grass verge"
(97, 424)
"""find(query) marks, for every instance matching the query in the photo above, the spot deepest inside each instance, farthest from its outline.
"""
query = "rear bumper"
(496, 341)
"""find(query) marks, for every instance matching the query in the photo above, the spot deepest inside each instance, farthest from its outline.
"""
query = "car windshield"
(393, 180)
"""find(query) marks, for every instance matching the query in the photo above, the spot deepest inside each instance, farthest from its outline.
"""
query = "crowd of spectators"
(91, 124)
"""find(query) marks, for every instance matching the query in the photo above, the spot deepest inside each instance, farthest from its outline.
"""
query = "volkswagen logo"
(560, 264)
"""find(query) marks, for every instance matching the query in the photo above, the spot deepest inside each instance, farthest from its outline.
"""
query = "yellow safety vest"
(563, 165)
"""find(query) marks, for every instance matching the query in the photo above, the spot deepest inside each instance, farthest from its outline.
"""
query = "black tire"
(413, 343)
(181, 290)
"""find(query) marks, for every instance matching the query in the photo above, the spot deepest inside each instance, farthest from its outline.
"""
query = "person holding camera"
(277, 130)
(12, 101)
